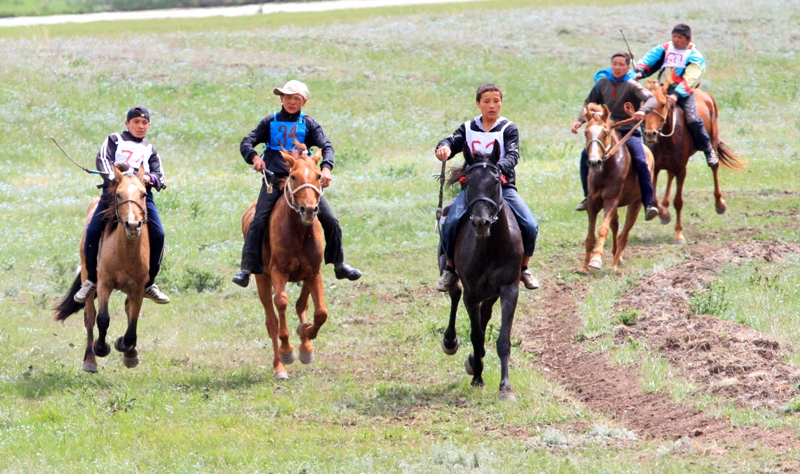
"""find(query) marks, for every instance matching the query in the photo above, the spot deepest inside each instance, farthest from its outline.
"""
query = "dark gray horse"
(488, 258)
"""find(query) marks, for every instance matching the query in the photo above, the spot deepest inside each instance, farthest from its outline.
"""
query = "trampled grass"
(386, 85)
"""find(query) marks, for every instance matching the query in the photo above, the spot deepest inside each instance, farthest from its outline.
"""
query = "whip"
(73, 161)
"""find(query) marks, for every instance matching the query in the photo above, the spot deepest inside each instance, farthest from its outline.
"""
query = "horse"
(667, 135)
(123, 264)
(612, 183)
(488, 259)
(292, 251)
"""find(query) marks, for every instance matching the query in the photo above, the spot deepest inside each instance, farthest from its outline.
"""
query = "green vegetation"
(386, 85)
(53, 7)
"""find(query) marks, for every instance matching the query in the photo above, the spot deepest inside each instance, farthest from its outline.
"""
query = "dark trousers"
(638, 161)
(94, 231)
(251, 251)
(696, 125)
(528, 225)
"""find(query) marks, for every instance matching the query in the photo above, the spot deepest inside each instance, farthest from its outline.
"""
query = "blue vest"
(283, 134)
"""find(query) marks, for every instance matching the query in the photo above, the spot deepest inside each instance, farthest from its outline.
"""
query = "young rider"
(682, 64)
(485, 129)
(128, 147)
(278, 131)
(614, 87)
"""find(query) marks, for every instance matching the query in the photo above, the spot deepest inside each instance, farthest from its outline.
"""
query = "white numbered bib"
(483, 142)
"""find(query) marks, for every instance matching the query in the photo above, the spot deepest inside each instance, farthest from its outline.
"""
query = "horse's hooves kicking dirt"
(508, 396)
(453, 350)
(721, 210)
(596, 263)
(89, 367)
(281, 375)
(468, 365)
(130, 363)
(289, 358)
(306, 358)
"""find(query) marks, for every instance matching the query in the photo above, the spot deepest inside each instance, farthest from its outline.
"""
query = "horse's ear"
(587, 115)
(118, 174)
(495, 152)
(606, 113)
(316, 156)
(468, 158)
(289, 159)
(140, 173)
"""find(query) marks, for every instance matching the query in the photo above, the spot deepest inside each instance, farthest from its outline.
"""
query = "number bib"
(133, 153)
(483, 142)
(283, 134)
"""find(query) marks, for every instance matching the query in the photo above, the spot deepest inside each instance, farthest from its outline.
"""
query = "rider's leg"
(584, 179)
(252, 260)
(698, 129)
(529, 229)
(91, 246)
(639, 163)
(458, 209)
(157, 236)
(334, 253)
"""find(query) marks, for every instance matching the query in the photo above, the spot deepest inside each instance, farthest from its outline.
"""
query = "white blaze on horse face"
(594, 150)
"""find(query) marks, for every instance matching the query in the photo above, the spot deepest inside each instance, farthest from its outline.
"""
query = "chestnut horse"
(488, 259)
(292, 252)
(123, 264)
(666, 134)
(612, 183)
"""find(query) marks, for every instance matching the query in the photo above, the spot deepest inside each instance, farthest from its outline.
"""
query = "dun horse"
(612, 183)
(292, 251)
(667, 135)
(488, 258)
(123, 264)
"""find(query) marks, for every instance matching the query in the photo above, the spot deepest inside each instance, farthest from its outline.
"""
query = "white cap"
(292, 87)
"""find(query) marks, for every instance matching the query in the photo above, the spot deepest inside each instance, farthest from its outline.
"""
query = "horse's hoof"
(119, 344)
(281, 375)
(680, 241)
(721, 210)
(468, 365)
(596, 263)
(666, 220)
(453, 350)
(130, 363)
(289, 358)
(89, 367)
(101, 350)
(306, 358)
(583, 271)
(507, 396)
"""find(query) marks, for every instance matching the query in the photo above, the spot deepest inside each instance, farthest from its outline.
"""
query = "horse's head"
(654, 121)
(130, 201)
(484, 191)
(598, 134)
(303, 188)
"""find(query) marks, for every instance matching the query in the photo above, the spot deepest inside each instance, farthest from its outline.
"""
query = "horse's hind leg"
(508, 301)
(89, 317)
(679, 238)
(310, 331)
(127, 343)
(663, 205)
(719, 203)
(271, 321)
(622, 240)
(614, 231)
(450, 342)
(101, 348)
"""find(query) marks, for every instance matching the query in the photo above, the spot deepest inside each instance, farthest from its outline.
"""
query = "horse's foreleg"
(89, 317)
(590, 241)
(310, 331)
(281, 301)
(622, 240)
(264, 284)
(450, 342)
(602, 234)
(508, 303)
(127, 343)
(719, 203)
(679, 238)
(474, 362)
(665, 200)
(614, 231)
(663, 205)
(101, 348)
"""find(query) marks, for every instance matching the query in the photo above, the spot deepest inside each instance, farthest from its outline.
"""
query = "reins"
(610, 151)
(116, 209)
(292, 192)
(664, 117)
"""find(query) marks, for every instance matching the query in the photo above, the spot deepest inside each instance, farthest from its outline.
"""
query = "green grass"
(54, 7)
(386, 85)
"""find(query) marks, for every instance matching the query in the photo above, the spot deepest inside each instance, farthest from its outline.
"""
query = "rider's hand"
(326, 177)
(146, 180)
(576, 126)
(638, 75)
(258, 164)
(639, 115)
(672, 99)
(443, 153)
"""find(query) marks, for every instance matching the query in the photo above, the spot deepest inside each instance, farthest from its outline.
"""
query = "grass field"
(54, 7)
(386, 85)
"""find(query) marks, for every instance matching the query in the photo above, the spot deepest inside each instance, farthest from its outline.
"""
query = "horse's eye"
(319, 176)
(117, 196)
(144, 195)
(293, 178)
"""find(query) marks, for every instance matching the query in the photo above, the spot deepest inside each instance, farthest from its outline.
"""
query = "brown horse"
(292, 251)
(123, 264)
(667, 135)
(612, 183)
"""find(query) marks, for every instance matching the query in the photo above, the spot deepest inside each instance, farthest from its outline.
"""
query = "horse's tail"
(68, 305)
(729, 158)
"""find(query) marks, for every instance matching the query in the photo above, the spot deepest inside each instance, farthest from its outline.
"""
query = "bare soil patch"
(723, 358)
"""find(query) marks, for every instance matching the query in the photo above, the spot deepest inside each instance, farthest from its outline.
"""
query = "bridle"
(292, 192)
(664, 118)
(498, 204)
(118, 203)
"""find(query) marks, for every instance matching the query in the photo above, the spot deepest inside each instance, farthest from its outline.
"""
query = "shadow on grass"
(400, 399)
(36, 384)
(204, 379)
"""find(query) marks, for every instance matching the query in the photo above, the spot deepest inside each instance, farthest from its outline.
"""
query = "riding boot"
(702, 141)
